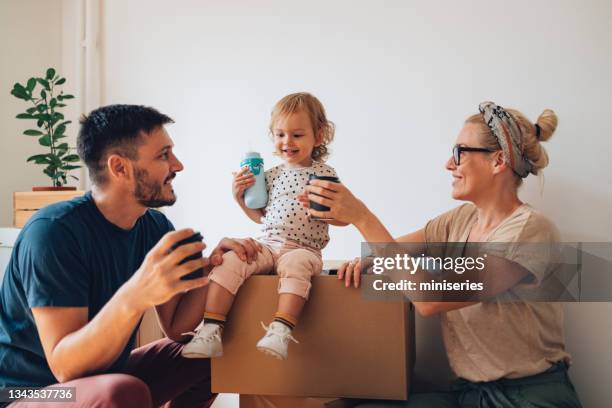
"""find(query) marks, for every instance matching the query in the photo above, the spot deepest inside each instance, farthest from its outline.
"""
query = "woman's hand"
(243, 179)
(344, 206)
(351, 271)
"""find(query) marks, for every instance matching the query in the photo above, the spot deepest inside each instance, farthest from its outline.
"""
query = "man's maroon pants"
(155, 374)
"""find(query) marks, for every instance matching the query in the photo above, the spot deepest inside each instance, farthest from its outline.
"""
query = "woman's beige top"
(501, 339)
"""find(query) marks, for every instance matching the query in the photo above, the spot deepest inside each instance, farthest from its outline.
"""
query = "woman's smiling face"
(474, 175)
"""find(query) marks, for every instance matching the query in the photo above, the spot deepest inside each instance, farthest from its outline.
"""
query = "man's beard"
(149, 192)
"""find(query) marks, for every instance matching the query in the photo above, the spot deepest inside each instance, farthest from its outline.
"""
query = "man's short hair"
(114, 129)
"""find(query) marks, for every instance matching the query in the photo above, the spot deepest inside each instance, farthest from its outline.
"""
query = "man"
(84, 271)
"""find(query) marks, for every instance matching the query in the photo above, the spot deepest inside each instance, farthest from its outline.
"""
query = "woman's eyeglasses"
(457, 150)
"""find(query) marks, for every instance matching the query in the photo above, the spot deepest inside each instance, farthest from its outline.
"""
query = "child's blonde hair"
(303, 101)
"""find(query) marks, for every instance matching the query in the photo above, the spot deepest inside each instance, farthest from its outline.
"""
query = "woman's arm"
(350, 271)
(346, 209)
(337, 223)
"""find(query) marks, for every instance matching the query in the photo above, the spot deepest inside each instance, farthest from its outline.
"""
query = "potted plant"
(47, 100)
(45, 110)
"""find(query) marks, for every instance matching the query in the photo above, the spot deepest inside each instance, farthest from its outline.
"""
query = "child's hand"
(303, 199)
(243, 179)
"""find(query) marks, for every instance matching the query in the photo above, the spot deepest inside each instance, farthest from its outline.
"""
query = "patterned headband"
(506, 130)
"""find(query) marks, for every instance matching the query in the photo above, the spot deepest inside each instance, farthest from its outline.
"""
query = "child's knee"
(231, 273)
(299, 263)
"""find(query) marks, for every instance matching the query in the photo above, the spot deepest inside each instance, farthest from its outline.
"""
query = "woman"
(504, 354)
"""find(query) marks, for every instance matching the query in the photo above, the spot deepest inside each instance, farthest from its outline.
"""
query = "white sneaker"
(206, 342)
(276, 340)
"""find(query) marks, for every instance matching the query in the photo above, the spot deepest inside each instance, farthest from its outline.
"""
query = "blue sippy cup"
(255, 196)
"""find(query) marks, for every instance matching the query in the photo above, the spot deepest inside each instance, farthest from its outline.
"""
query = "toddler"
(292, 241)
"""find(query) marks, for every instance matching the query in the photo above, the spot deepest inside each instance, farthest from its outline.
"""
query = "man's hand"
(159, 277)
(247, 250)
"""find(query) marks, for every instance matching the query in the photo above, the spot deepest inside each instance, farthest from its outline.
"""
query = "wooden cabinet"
(26, 203)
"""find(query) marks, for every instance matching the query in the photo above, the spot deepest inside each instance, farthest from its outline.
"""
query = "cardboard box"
(349, 347)
(269, 401)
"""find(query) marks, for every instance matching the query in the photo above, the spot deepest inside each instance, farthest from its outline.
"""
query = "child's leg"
(296, 269)
(225, 280)
(289, 309)
(218, 303)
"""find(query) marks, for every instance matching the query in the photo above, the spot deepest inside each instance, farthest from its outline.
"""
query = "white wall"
(398, 78)
(30, 42)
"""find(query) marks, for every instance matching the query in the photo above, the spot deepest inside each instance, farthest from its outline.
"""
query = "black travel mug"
(198, 273)
(317, 206)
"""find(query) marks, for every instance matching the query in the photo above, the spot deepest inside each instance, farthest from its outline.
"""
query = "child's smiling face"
(294, 139)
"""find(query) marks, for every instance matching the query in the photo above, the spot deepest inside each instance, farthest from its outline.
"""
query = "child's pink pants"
(294, 263)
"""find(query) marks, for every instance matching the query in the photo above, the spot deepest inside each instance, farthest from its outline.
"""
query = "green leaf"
(59, 137)
(70, 167)
(43, 94)
(56, 117)
(37, 156)
(71, 158)
(44, 83)
(67, 96)
(20, 92)
(56, 161)
(31, 84)
(31, 110)
(60, 81)
(53, 103)
(61, 105)
(65, 123)
(40, 123)
(41, 159)
(41, 107)
(32, 132)
(24, 116)
(59, 131)
(50, 73)
(45, 141)
(61, 150)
